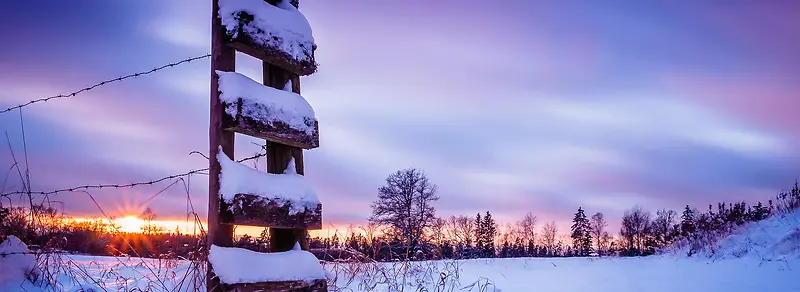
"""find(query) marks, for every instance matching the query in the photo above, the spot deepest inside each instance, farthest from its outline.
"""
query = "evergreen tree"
(519, 248)
(447, 250)
(759, 212)
(532, 250)
(335, 241)
(479, 231)
(687, 222)
(489, 231)
(264, 236)
(505, 251)
(581, 235)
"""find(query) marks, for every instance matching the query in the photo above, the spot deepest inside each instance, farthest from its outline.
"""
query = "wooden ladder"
(283, 144)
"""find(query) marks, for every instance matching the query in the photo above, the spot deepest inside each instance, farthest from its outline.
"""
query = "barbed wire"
(72, 94)
(130, 185)
(5, 254)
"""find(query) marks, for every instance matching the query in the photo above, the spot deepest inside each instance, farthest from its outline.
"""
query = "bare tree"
(437, 230)
(635, 228)
(527, 228)
(149, 227)
(369, 231)
(664, 225)
(549, 233)
(605, 243)
(598, 226)
(404, 205)
(461, 229)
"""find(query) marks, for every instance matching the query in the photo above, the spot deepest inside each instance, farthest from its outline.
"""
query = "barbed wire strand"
(117, 186)
(5, 254)
(72, 94)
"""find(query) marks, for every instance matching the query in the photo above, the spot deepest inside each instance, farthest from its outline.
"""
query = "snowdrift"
(774, 238)
(16, 262)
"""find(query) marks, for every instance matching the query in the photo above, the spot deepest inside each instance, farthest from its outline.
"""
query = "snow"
(270, 104)
(641, 274)
(774, 238)
(288, 188)
(77, 273)
(237, 265)
(282, 26)
(15, 265)
(746, 262)
(288, 86)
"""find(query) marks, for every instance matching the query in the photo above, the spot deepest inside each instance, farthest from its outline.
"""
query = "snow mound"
(265, 103)
(788, 245)
(774, 238)
(15, 263)
(289, 187)
(239, 266)
(281, 26)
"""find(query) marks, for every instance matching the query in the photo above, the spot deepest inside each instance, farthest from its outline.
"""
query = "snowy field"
(761, 256)
(657, 273)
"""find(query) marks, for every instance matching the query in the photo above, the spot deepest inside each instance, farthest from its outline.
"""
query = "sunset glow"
(129, 224)
(601, 108)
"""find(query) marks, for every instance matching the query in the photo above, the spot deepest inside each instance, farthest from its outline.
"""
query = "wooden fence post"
(223, 58)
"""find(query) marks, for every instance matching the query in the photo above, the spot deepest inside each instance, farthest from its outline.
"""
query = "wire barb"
(105, 82)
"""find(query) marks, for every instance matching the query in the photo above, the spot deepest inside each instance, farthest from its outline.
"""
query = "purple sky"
(538, 106)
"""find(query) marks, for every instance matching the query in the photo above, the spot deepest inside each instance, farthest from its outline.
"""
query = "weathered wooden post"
(275, 32)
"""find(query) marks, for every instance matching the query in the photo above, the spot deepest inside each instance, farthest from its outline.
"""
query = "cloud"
(759, 98)
(509, 108)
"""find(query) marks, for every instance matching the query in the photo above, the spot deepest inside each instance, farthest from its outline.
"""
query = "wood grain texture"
(276, 131)
(245, 44)
(252, 210)
(293, 286)
(223, 58)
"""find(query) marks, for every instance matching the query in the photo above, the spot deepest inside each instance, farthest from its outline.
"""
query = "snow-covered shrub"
(16, 262)
(774, 238)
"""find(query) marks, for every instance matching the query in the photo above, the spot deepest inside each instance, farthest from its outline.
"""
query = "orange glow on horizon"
(134, 224)
(130, 224)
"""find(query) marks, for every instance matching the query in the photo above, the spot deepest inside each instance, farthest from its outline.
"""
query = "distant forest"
(403, 226)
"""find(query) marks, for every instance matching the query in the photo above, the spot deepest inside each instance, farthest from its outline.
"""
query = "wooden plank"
(296, 3)
(275, 132)
(254, 125)
(222, 58)
(245, 44)
(293, 286)
(252, 210)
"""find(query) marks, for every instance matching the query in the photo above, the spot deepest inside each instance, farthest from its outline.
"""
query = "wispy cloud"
(511, 108)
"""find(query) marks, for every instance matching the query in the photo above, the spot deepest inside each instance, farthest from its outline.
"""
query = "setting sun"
(130, 224)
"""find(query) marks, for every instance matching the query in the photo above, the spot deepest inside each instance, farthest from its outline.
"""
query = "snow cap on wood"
(288, 188)
(239, 266)
(276, 115)
(279, 34)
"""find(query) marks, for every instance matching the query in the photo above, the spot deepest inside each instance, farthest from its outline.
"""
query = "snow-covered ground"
(762, 256)
(656, 273)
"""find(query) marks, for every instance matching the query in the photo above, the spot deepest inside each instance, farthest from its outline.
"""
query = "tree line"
(410, 229)
(403, 225)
